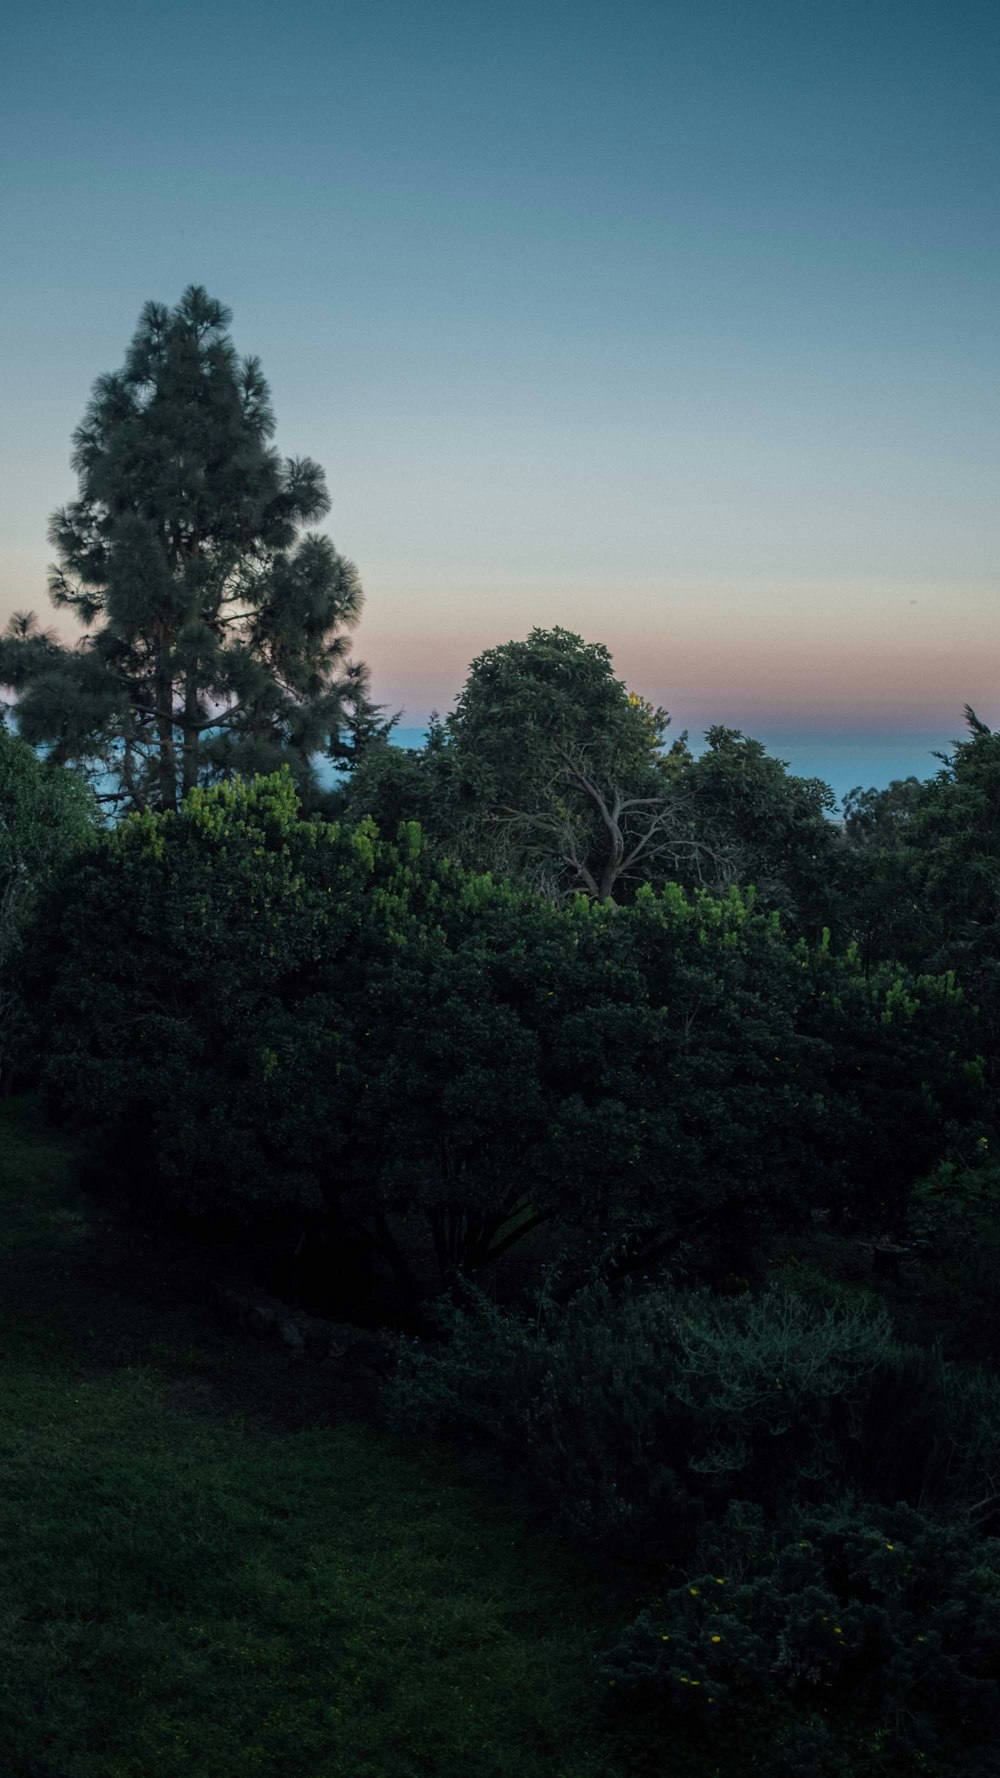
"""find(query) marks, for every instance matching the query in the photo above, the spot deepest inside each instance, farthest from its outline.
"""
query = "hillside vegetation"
(649, 1115)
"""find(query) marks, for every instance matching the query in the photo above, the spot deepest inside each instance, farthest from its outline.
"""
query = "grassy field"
(206, 1572)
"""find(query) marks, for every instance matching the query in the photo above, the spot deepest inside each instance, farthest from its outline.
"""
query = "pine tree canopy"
(215, 628)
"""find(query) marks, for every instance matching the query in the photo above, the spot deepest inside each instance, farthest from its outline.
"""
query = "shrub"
(879, 1617)
(635, 1416)
(954, 1220)
(162, 975)
(267, 1016)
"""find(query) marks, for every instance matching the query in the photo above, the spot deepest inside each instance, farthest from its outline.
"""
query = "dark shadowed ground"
(212, 1566)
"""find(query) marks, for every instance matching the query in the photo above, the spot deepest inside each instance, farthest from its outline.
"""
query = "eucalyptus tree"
(557, 773)
(215, 629)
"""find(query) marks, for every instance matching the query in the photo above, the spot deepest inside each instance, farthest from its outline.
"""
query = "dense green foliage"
(877, 1626)
(424, 1074)
(550, 770)
(675, 1077)
(637, 1422)
(584, 800)
(636, 1417)
(216, 636)
(765, 826)
(46, 815)
(952, 854)
(922, 871)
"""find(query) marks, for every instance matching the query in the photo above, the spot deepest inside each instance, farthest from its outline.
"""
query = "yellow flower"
(664, 1638)
(716, 1638)
(837, 1630)
(890, 1546)
(693, 1591)
(719, 1581)
(696, 1682)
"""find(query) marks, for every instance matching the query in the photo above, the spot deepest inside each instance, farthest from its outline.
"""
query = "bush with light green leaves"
(263, 1016)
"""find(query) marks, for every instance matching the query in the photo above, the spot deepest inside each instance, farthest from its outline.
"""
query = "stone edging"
(325, 1342)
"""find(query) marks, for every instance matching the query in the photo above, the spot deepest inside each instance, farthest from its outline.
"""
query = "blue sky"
(674, 324)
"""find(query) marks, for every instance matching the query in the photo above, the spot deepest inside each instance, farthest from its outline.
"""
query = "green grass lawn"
(204, 1572)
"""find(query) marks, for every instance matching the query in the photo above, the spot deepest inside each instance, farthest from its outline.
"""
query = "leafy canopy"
(549, 770)
(269, 1014)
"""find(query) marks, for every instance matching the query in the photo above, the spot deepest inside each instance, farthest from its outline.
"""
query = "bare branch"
(638, 831)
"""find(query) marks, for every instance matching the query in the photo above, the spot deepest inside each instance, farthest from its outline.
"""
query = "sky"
(675, 324)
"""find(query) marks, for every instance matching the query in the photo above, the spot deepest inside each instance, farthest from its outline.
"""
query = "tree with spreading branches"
(558, 773)
(216, 630)
(594, 837)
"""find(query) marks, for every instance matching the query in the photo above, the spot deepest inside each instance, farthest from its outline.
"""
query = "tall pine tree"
(216, 630)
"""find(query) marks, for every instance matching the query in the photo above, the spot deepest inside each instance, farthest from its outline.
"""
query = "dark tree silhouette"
(216, 631)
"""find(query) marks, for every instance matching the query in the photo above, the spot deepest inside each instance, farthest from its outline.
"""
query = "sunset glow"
(677, 328)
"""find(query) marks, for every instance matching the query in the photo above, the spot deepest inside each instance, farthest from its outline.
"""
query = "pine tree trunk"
(191, 734)
(165, 728)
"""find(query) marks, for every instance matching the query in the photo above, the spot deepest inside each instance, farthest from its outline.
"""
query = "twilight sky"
(674, 322)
